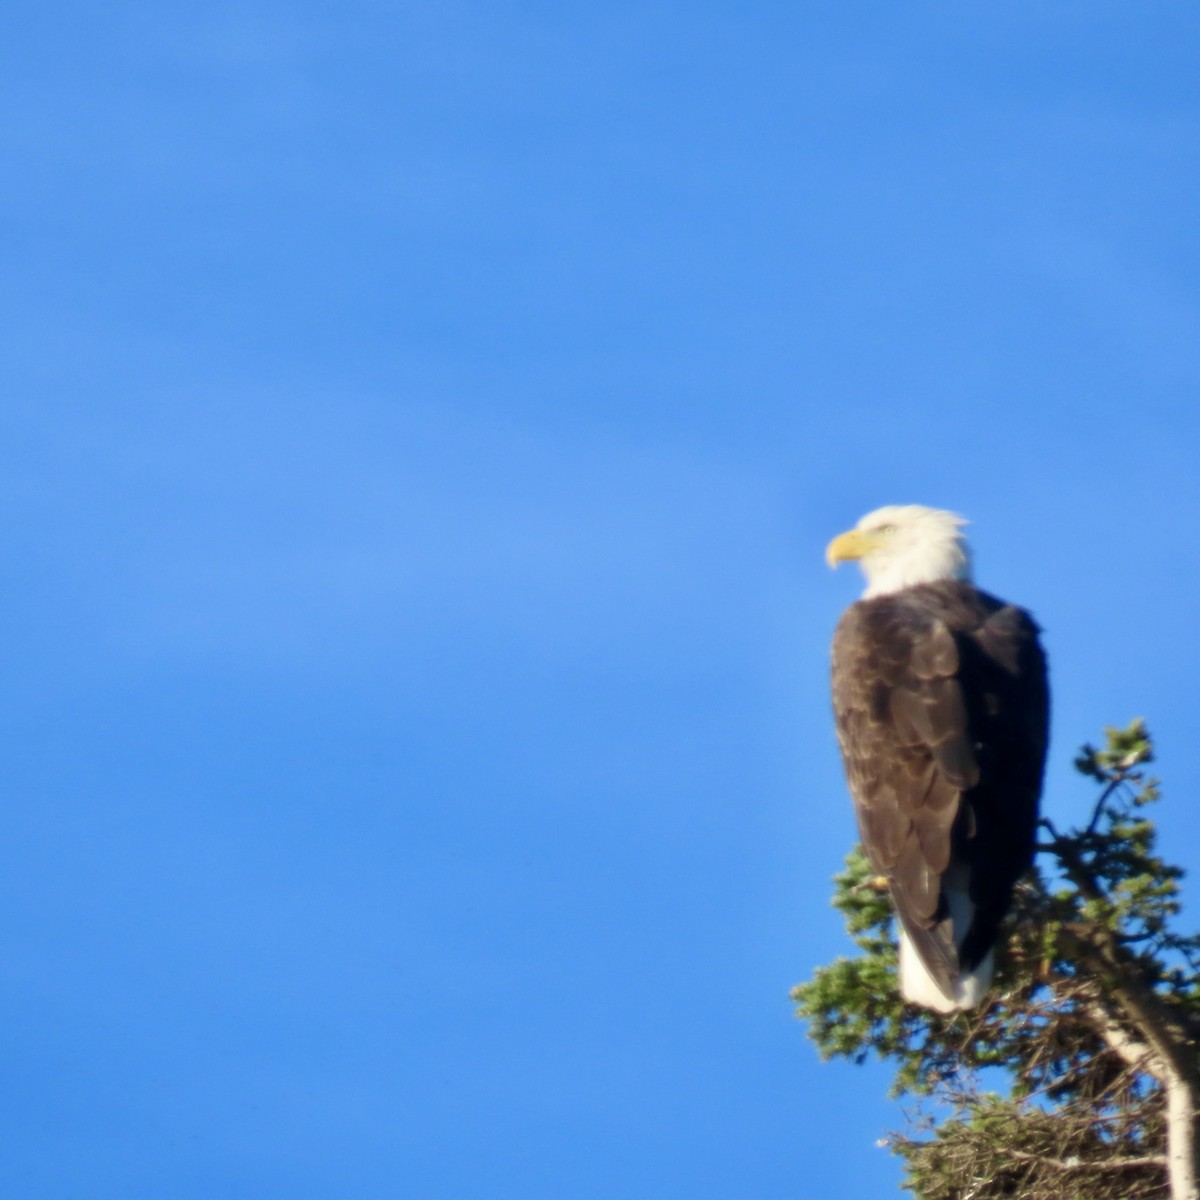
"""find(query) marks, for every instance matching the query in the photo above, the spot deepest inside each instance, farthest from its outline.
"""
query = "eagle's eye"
(885, 529)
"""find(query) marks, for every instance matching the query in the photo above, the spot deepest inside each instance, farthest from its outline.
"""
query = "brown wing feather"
(940, 700)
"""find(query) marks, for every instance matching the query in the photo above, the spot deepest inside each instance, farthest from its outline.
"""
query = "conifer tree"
(1079, 1076)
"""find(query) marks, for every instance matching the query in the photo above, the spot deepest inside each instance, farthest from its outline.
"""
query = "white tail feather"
(918, 985)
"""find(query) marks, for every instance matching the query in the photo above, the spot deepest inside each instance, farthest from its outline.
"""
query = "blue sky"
(421, 428)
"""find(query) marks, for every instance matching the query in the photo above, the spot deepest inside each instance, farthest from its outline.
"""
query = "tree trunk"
(1156, 1050)
(1181, 1134)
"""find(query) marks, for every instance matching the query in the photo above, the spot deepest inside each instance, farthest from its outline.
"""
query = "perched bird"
(941, 703)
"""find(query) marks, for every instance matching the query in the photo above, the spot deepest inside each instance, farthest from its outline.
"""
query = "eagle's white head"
(903, 545)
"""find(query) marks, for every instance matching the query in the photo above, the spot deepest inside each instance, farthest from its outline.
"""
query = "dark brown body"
(941, 702)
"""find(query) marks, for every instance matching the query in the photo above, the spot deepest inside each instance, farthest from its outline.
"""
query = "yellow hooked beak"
(853, 544)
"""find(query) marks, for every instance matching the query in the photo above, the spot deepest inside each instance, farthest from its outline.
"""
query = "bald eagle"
(941, 703)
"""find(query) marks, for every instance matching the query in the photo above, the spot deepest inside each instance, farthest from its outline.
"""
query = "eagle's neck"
(929, 561)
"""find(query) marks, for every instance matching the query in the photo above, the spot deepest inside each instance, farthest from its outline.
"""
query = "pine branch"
(1129, 1163)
